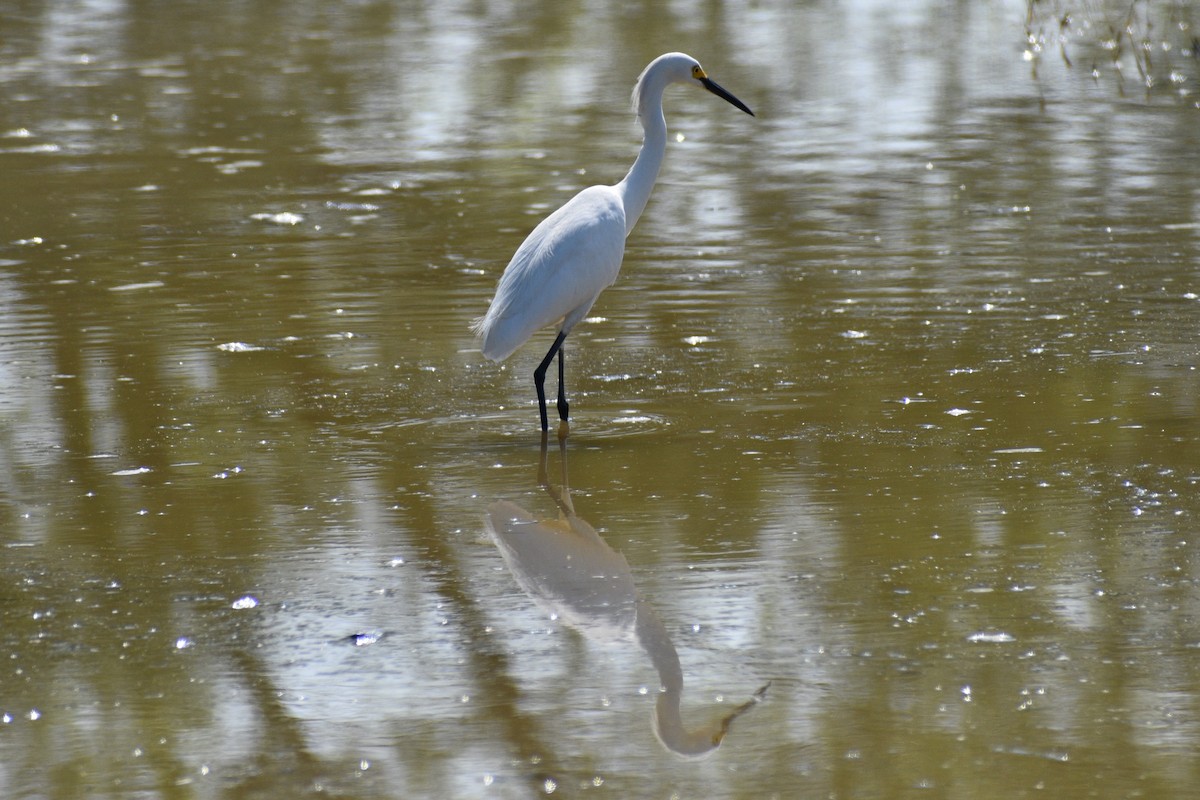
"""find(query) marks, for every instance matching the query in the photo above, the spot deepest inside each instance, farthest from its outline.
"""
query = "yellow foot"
(564, 428)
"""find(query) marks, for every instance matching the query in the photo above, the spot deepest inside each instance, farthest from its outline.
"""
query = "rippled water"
(882, 472)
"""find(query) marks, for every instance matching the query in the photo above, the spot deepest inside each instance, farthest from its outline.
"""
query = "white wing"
(557, 272)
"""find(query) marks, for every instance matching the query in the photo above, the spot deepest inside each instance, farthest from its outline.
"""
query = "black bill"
(716, 89)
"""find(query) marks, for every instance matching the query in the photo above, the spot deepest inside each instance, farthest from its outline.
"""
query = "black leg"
(563, 407)
(539, 378)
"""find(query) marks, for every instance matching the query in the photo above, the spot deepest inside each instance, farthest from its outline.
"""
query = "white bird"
(575, 253)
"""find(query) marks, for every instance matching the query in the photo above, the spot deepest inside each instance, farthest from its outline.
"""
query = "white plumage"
(568, 259)
(575, 253)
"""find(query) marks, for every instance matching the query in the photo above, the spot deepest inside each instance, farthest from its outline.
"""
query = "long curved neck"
(636, 186)
(668, 722)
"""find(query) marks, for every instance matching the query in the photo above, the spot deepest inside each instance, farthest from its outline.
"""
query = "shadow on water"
(568, 569)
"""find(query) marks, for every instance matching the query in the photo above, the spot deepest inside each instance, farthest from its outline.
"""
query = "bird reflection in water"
(569, 570)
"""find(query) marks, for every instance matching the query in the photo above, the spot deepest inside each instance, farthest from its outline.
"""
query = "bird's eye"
(697, 72)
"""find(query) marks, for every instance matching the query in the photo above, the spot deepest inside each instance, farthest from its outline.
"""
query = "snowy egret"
(575, 253)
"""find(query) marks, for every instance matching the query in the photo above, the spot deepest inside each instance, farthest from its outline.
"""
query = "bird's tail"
(484, 329)
(479, 326)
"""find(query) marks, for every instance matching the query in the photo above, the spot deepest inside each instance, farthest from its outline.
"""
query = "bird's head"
(679, 68)
(697, 75)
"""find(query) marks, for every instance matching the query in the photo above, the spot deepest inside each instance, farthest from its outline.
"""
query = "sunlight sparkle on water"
(282, 218)
(239, 347)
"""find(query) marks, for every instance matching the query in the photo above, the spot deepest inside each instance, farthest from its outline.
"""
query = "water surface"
(893, 411)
